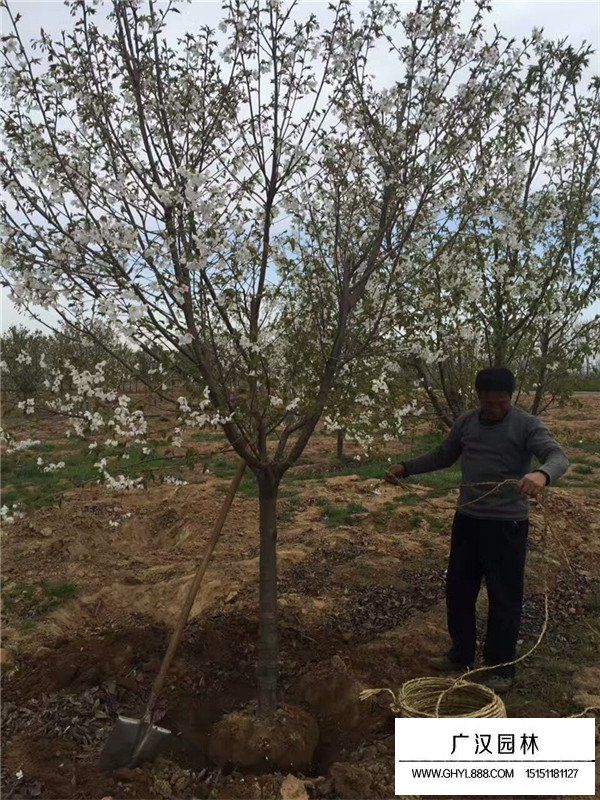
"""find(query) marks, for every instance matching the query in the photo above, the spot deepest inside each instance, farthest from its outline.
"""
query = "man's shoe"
(447, 665)
(499, 683)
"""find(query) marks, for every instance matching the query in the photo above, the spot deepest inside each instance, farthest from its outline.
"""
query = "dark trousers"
(495, 550)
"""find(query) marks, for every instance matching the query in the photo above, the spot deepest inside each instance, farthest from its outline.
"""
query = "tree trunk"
(499, 351)
(340, 445)
(539, 392)
(435, 402)
(268, 638)
(537, 400)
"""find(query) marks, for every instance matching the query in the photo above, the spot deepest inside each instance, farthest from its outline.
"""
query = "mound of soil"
(284, 740)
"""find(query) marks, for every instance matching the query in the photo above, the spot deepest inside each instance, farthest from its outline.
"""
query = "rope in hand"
(496, 486)
(546, 530)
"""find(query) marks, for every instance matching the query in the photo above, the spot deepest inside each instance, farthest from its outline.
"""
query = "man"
(489, 534)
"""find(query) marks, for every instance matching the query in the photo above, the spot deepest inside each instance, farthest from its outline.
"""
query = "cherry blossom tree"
(241, 206)
(513, 286)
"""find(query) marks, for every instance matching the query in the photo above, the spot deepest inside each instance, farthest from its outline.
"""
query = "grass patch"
(415, 519)
(342, 515)
(581, 460)
(222, 467)
(409, 500)
(544, 679)
(425, 442)
(225, 469)
(380, 517)
(33, 488)
(66, 590)
(30, 602)
(366, 468)
(585, 481)
(248, 487)
(288, 506)
(583, 469)
(441, 481)
(288, 491)
(437, 525)
(208, 437)
(586, 383)
(588, 446)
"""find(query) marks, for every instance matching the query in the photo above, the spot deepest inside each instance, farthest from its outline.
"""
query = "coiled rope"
(458, 697)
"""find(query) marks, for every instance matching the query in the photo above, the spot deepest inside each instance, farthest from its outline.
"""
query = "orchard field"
(92, 580)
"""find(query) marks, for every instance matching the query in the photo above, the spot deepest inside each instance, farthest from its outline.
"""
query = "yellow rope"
(495, 488)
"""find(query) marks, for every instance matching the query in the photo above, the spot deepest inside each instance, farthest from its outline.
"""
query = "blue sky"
(577, 19)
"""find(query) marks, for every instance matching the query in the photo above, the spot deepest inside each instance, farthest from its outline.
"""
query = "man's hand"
(532, 483)
(395, 473)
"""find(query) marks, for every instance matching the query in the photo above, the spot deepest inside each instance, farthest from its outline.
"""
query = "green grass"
(60, 591)
(582, 460)
(435, 524)
(415, 518)
(289, 503)
(577, 480)
(341, 515)
(441, 481)
(222, 467)
(27, 485)
(31, 601)
(425, 442)
(368, 469)
(225, 469)
(409, 500)
(544, 684)
(248, 487)
(289, 491)
(31, 487)
(583, 469)
(380, 517)
(390, 505)
(588, 446)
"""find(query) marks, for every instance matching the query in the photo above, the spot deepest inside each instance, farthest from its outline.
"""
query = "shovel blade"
(123, 740)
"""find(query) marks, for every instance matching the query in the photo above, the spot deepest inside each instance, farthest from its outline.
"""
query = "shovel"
(132, 741)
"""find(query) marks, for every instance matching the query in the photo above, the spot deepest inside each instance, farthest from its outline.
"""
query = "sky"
(578, 20)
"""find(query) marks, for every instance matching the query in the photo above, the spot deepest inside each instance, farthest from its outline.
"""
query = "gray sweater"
(495, 452)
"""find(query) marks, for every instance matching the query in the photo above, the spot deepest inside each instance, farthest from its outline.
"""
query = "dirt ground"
(361, 604)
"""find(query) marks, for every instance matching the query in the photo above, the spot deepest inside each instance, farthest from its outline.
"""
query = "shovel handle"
(191, 595)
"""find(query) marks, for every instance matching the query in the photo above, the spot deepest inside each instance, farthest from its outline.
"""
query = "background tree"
(22, 353)
(29, 357)
(513, 287)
